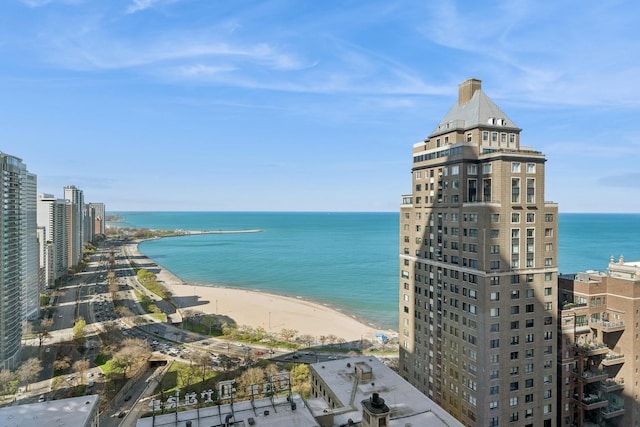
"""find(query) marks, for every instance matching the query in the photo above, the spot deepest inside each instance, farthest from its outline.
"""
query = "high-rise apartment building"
(52, 217)
(30, 279)
(99, 218)
(75, 224)
(598, 362)
(14, 261)
(478, 270)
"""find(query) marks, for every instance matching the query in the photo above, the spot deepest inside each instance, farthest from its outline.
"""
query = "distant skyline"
(303, 105)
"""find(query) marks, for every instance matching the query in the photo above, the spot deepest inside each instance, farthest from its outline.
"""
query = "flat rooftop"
(407, 405)
(262, 413)
(70, 412)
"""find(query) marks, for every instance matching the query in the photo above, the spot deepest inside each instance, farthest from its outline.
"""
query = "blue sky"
(305, 105)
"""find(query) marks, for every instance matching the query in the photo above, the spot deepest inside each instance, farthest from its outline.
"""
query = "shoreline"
(257, 308)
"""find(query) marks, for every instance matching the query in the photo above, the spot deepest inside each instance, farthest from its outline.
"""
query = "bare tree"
(307, 340)
(29, 371)
(81, 366)
(62, 364)
(288, 334)
(43, 330)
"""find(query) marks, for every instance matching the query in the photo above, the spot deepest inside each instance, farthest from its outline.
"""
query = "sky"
(306, 105)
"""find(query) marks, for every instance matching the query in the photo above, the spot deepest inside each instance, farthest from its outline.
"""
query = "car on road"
(259, 352)
(41, 398)
(127, 398)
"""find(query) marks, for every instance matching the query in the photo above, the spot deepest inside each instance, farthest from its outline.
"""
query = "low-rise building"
(76, 411)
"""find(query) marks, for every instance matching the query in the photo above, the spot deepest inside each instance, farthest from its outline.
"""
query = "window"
(548, 217)
(514, 370)
(455, 170)
(494, 136)
(529, 293)
(514, 355)
(531, 217)
(515, 324)
(503, 137)
(529, 308)
(495, 327)
(472, 169)
(515, 309)
(528, 353)
(515, 340)
(548, 247)
(531, 190)
(515, 279)
(515, 167)
(493, 406)
(515, 294)
(515, 218)
(528, 383)
(495, 233)
(529, 323)
(515, 190)
(528, 413)
(485, 136)
(494, 296)
(495, 343)
(528, 368)
(495, 218)
(531, 168)
(513, 417)
(548, 262)
(494, 312)
(529, 338)
(486, 168)
(493, 390)
(513, 401)
(548, 232)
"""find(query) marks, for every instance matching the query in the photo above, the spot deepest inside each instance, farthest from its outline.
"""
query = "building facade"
(30, 279)
(52, 217)
(13, 259)
(75, 224)
(478, 270)
(598, 346)
(99, 218)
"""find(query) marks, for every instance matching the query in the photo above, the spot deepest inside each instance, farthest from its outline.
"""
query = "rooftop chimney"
(467, 89)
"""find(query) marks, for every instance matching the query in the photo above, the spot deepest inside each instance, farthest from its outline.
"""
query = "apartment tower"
(13, 259)
(75, 224)
(478, 270)
(52, 217)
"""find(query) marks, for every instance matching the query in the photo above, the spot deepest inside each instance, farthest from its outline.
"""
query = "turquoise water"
(346, 260)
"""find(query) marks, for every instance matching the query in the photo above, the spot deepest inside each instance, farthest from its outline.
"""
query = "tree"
(81, 366)
(79, 333)
(200, 361)
(250, 377)
(29, 371)
(287, 334)
(6, 378)
(307, 340)
(300, 380)
(43, 330)
(62, 364)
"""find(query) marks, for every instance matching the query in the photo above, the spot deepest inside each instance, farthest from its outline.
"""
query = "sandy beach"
(255, 308)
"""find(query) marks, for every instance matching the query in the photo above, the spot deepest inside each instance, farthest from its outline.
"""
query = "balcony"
(611, 385)
(592, 349)
(611, 411)
(593, 375)
(605, 326)
(593, 401)
(613, 359)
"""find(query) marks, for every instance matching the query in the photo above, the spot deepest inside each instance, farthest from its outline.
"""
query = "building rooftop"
(259, 413)
(71, 412)
(407, 405)
(479, 110)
